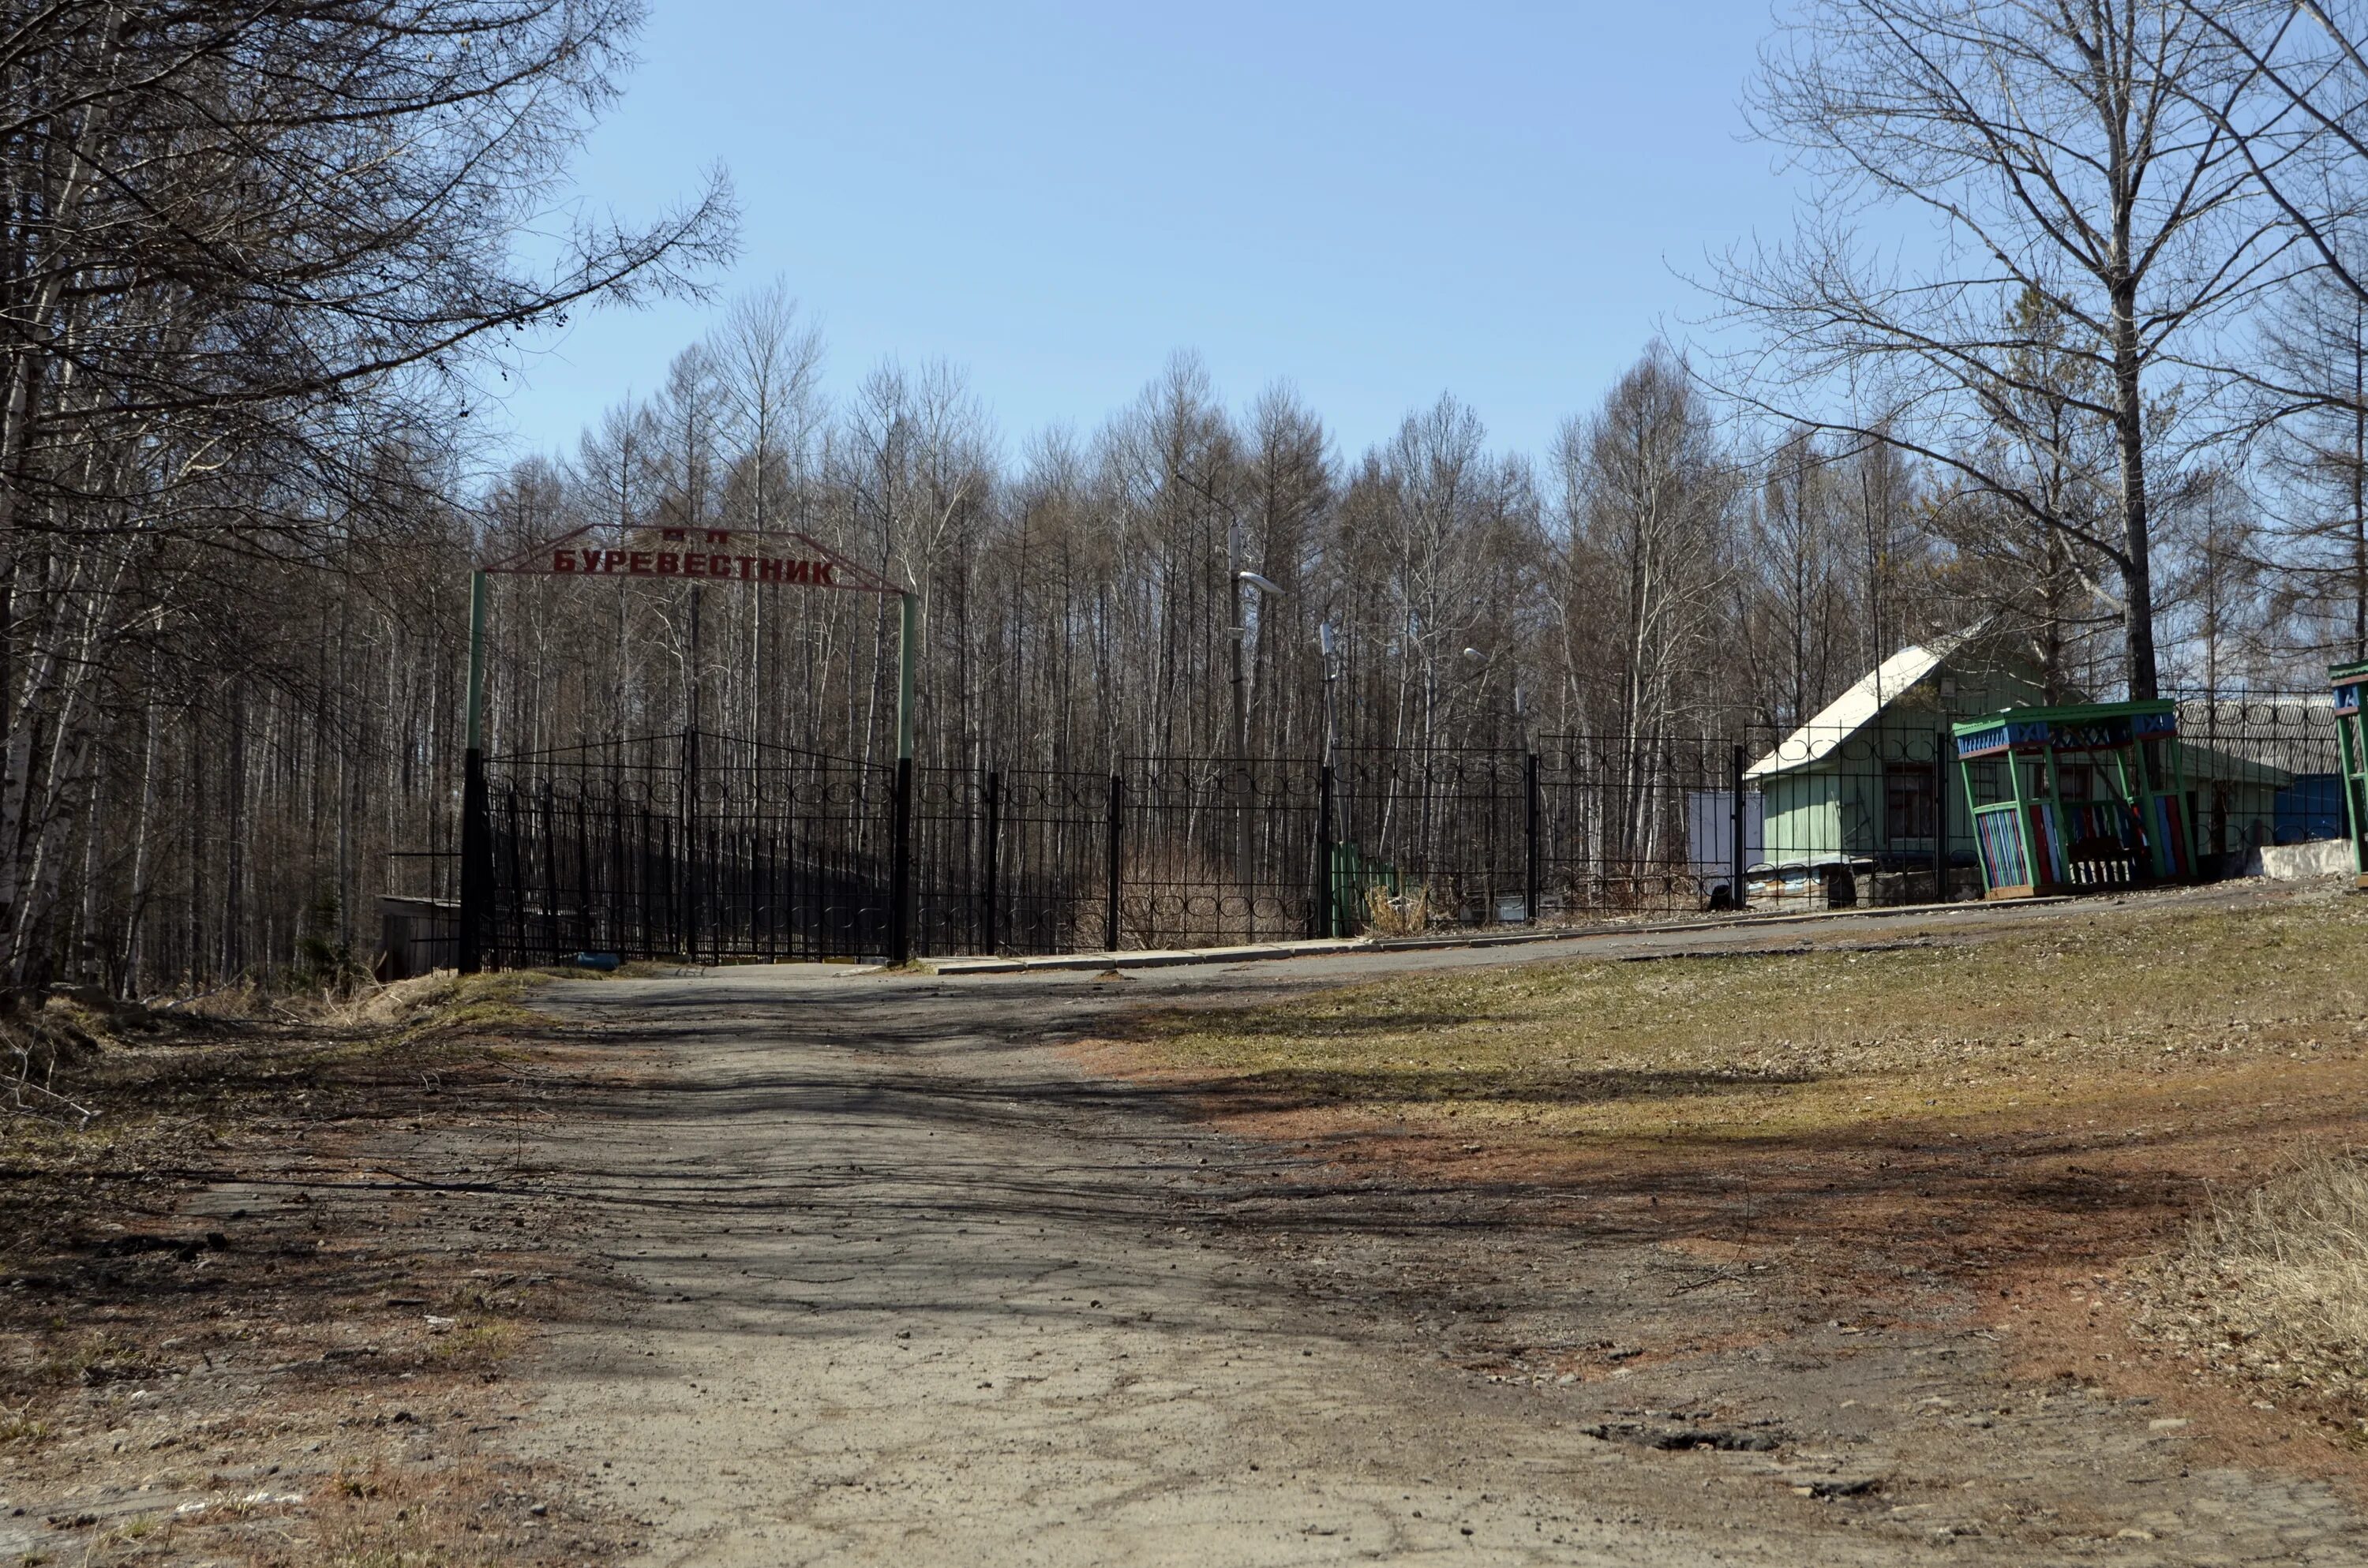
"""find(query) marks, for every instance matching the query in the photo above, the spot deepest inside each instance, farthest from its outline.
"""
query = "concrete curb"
(1178, 956)
(1154, 959)
(1517, 938)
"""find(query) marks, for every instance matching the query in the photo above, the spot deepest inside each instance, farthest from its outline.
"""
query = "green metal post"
(476, 825)
(2346, 735)
(476, 660)
(1973, 808)
(900, 863)
(908, 652)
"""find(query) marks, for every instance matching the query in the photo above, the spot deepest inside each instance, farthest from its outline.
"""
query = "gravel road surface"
(919, 1290)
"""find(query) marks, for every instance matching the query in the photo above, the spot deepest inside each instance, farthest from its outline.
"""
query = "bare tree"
(1803, 580)
(255, 253)
(2062, 151)
(1650, 498)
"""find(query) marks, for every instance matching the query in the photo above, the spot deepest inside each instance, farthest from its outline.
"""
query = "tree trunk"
(2129, 432)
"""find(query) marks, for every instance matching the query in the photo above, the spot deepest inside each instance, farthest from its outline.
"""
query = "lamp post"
(1243, 578)
(1328, 645)
(1237, 577)
(1520, 712)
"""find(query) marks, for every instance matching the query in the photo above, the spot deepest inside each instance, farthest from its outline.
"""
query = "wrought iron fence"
(1010, 861)
(1215, 853)
(1634, 826)
(2263, 768)
(711, 847)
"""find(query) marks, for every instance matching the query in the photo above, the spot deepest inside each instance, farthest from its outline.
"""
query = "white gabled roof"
(1856, 709)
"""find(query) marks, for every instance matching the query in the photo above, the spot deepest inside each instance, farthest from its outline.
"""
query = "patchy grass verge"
(246, 1316)
(2040, 1023)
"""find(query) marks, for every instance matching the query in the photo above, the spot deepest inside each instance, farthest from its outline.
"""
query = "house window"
(1911, 809)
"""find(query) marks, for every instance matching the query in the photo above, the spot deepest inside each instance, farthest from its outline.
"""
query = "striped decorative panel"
(2001, 849)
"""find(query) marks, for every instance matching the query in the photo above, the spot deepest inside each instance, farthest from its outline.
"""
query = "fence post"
(476, 862)
(691, 889)
(1941, 746)
(1117, 807)
(1529, 878)
(1327, 922)
(900, 867)
(994, 845)
(476, 821)
(1734, 834)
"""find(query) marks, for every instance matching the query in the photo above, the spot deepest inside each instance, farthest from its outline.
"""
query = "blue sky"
(1375, 202)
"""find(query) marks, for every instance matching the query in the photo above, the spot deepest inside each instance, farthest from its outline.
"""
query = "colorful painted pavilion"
(2071, 799)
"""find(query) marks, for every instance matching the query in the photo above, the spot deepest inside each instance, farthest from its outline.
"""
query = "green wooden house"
(1866, 779)
(1870, 778)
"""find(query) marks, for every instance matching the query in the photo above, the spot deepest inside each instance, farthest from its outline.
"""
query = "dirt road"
(921, 1289)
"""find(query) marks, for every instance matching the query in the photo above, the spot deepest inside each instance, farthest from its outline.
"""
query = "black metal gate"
(696, 846)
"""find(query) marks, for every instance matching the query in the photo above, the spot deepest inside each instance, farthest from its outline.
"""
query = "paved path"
(921, 1292)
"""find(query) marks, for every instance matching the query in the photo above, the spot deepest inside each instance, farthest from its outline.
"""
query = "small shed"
(2079, 797)
(1865, 780)
(2236, 800)
(2262, 771)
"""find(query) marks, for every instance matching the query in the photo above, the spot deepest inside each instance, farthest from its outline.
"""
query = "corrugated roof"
(2199, 761)
(2291, 731)
(1856, 709)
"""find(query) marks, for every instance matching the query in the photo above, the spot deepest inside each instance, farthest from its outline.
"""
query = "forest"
(262, 266)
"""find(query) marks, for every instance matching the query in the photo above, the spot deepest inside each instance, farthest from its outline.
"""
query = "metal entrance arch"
(509, 914)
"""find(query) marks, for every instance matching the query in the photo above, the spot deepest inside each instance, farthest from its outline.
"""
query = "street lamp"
(1521, 718)
(1237, 577)
(1328, 642)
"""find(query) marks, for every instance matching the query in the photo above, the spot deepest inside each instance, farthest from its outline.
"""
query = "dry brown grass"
(2116, 1094)
(1407, 914)
(2272, 1284)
